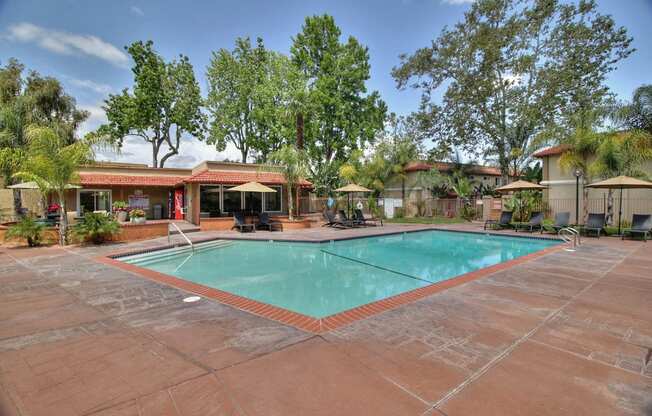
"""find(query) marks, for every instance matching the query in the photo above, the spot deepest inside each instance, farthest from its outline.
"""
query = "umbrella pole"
(620, 209)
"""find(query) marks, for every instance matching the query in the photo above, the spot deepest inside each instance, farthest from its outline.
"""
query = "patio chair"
(264, 221)
(561, 221)
(641, 225)
(239, 223)
(535, 223)
(503, 222)
(595, 223)
(360, 218)
(348, 222)
(331, 220)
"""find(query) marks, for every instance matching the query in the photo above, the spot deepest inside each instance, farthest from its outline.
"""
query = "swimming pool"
(323, 279)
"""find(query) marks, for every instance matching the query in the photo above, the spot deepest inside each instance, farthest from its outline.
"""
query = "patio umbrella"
(621, 182)
(252, 187)
(520, 186)
(349, 190)
(33, 185)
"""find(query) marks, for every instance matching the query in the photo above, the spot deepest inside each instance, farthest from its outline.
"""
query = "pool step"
(147, 258)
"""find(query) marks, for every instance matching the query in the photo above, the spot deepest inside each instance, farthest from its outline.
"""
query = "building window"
(497, 181)
(91, 200)
(273, 199)
(209, 201)
(253, 201)
(231, 201)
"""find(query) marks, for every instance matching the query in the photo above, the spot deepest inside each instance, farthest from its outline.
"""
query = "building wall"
(157, 195)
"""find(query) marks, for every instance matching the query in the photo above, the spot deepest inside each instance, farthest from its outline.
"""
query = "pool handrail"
(192, 246)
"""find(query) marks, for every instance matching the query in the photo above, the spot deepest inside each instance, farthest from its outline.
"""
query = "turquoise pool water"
(319, 280)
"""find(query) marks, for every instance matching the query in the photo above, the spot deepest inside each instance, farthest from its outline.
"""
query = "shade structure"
(621, 182)
(251, 187)
(352, 187)
(33, 185)
(520, 186)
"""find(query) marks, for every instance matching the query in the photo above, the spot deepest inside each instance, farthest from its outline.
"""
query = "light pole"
(578, 174)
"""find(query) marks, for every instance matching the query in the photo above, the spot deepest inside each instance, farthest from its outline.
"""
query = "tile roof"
(551, 151)
(238, 177)
(95, 179)
(446, 167)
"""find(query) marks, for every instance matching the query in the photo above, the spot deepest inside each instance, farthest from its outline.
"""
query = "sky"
(81, 43)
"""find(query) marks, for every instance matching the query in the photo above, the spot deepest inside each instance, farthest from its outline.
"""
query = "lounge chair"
(239, 223)
(349, 222)
(595, 223)
(264, 221)
(360, 218)
(561, 221)
(331, 220)
(503, 222)
(641, 225)
(535, 223)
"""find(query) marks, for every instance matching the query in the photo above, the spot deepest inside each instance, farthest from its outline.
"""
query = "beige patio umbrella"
(349, 190)
(33, 185)
(621, 182)
(252, 187)
(520, 186)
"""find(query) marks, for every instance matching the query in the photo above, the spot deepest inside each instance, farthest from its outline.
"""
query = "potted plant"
(96, 227)
(27, 229)
(137, 216)
(120, 209)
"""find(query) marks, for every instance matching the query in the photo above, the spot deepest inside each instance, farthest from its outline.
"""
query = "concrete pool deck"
(564, 333)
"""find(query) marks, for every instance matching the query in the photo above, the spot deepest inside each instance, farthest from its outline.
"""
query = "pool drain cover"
(191, 299)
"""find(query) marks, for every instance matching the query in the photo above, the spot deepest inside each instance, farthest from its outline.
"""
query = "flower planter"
(121, 216)
(138, 220)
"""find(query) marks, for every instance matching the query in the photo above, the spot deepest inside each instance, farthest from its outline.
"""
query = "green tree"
(341, 117)
(164, 104)
(511, 69)
(53, 163)
(637, 115)
(294, 167)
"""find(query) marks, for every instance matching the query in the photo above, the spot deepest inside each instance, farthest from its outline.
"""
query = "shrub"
(27, 229)
(137, 213)
(120, 206)
(467, 212)
(96, 227)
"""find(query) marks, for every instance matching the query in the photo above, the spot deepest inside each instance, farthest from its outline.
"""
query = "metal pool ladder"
(571, 236)
(192, 246)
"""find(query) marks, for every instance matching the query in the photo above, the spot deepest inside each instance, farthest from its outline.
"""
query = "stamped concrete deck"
(562, 334)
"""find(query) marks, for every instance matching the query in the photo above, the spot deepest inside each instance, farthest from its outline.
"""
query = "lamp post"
(578, 174)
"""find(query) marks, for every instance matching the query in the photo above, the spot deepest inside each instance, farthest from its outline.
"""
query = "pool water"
(319, 280)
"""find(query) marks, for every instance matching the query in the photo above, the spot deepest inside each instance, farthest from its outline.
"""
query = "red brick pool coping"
(307, 323)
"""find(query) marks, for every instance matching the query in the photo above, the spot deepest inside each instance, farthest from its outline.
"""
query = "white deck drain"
(191, 299)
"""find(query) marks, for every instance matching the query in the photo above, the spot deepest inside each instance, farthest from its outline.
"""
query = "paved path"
(563, 334)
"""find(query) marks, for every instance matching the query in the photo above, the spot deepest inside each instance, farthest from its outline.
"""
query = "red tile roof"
(446, 167)
(551, 151)
(238, 177)
(97, 179)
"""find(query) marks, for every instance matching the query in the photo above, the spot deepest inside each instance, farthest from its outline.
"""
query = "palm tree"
(294, 167)
(52, 163)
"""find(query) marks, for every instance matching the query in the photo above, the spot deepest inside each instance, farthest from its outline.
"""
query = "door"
(178, 204)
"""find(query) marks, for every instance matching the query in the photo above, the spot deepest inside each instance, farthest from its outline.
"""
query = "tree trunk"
(244, 153)
(299, 131)
(18, 202)
(585, 203)
(290, 204)
(154, 155)
(610, 207)
(63, 220)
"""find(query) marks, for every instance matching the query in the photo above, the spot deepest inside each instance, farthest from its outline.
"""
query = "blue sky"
(80, 42)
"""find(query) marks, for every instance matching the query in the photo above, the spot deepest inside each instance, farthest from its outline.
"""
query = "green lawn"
(425, 220)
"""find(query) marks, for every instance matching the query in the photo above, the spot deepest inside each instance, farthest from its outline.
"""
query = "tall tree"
(294, 167)
(512, 68)
(637, 115)
(251, 96)
(341, 116)
(163, 105)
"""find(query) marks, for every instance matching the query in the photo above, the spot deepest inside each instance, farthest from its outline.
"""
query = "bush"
(467, 212)
(137, 213)
(398, 212)
(27, 229)
(96, 227)
(120, 206)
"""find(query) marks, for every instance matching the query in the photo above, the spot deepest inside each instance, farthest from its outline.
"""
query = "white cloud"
(457, 2)
(65, 43)
(96, 118)
(90, 85)
(137, 10)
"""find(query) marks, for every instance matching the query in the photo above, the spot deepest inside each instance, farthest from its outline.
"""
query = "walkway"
(562, 334)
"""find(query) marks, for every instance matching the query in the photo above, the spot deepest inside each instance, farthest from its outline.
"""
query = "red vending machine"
(178, 204)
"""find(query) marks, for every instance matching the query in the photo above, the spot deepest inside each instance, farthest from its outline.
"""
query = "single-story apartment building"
(561, 192)
(200, 193)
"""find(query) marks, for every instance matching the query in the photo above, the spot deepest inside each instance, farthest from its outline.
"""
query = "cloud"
(137, 10)
(65, 43)
(91, 85)
(96, 118)
(457, 2)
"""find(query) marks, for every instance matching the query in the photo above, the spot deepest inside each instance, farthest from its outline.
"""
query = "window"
(253, 201)
(232, 201)
(209, 200)
(94, 200)
(273, 199)
(497, 181)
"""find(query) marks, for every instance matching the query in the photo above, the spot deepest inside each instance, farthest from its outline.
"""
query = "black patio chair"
(360, 218)
(348, 222)
(535, 223)
(561, 221)
(240, 224)
(595, 223)
(331, 220)
(641, 225)
(504, 221)
(264, 221)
